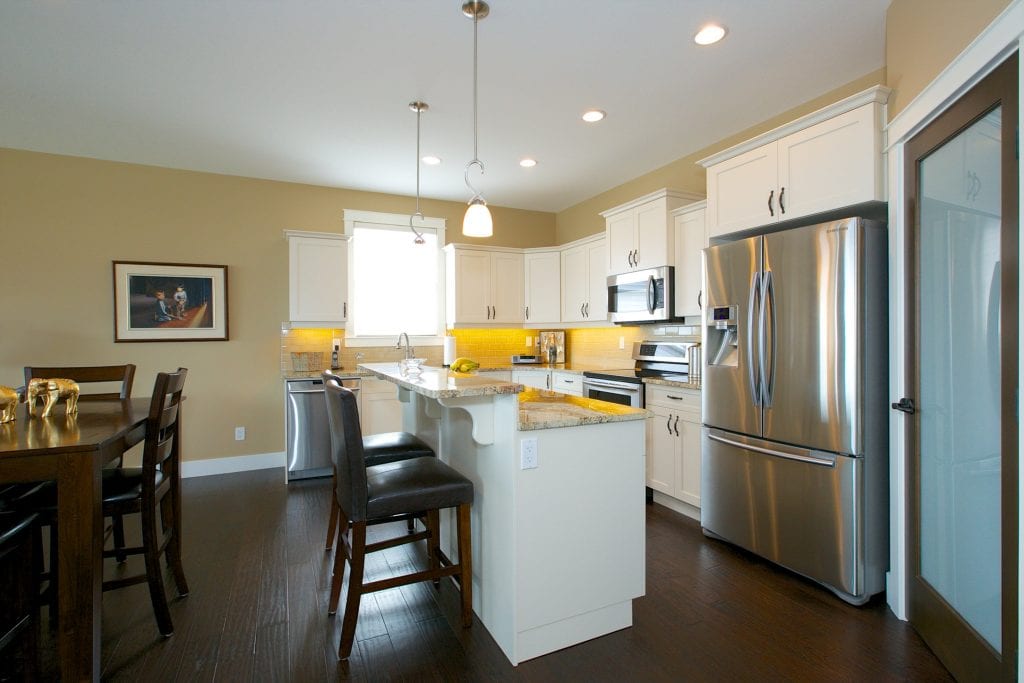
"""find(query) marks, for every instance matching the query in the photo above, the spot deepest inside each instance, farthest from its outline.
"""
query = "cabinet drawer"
(567, 383)
(671, 397)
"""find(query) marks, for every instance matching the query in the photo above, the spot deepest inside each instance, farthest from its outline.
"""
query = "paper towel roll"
(449, 351)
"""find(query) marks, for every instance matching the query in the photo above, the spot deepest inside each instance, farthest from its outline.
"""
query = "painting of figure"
(165, 302)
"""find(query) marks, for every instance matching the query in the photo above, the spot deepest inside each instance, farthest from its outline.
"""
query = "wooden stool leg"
(173, 551)
(332, 520)
(340, 555)
(117, 522)
(466, 564)
(355, 590)
(433, 522)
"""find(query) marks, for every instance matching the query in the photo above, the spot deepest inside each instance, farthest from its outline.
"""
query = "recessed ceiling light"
(712, 33)
(431, 160)
(527, 162)
(593, 115)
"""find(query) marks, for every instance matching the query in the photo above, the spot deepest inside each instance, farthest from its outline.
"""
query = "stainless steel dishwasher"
(307, 430)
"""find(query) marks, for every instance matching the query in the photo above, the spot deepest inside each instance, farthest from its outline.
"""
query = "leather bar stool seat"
(380, 449)
(414, 485)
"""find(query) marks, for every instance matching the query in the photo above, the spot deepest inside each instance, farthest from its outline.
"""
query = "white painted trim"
(876, 94)
(676, 505)
(657, 194)
(238, 463)
(318, 235)
(583, 240)
(696, 206)
(483, 247)
(351, 216)
(986, 51)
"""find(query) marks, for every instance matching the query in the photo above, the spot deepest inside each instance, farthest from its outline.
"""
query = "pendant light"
(419, 108)
(477, 222)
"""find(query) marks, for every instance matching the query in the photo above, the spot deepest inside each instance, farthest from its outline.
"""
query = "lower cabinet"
(496, 375)
(380, 409)
(673, 442)
(567, 383)
(538, 379)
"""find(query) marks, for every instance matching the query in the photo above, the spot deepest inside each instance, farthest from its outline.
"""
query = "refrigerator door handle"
(754, 299)
(767, 334)
(800, 454)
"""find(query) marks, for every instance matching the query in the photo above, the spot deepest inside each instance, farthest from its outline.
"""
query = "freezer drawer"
(798, 508)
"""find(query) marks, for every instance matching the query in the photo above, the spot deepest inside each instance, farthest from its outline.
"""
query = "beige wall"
(64, 219)
(685, 174)
(923, 36)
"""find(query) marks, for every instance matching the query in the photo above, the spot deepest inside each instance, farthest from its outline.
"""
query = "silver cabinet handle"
(668, 425)
(527, 312)
(548, 378)
(782, 206)
(771, 196)
(636, 257)
(344, 309)
(586, 306)
(699, 305)
(581, 309)
(494, 312)
(569, 381)
(674, 398)
(675, 425)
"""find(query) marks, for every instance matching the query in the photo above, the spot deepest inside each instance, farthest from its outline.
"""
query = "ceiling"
(317, 91)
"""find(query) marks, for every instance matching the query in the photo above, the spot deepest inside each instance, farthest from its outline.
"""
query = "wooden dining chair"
(394, 491)
(19, 623)
(153, 491)
(89, 374)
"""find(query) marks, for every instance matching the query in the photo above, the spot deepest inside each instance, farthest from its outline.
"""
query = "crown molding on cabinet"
(875, 94)
(657, 194)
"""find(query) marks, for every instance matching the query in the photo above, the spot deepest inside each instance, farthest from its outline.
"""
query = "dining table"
(72, 450)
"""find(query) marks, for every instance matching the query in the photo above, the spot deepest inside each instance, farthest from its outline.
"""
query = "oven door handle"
(632, 388)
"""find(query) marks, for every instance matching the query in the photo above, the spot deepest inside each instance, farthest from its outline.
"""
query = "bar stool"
(378, 449)
(383, 493)
(19, 623)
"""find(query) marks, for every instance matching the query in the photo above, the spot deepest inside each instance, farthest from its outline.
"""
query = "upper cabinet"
(967, 168)
(826, 160)
(543, 302)
(690, 237)
(483, 285)
(638, 233)
(317, 278)
(584, 281)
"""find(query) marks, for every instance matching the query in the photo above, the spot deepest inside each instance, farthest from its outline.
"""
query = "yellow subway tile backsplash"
(598, 347)
(493, 348)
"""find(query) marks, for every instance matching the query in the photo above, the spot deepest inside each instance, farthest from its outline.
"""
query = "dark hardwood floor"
(259, 577)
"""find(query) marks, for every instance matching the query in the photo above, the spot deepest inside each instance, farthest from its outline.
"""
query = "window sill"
(391, 340)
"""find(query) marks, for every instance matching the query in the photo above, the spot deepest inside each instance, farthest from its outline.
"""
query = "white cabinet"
(638, 232)
(543, 300)
(538, 379)
(827, 160)
(380, 410)
(483, 285)
(966, 171)
(496, 375)
(690, 239)
(584, 281)
(317, 278)
(673, 442)
(567, 382)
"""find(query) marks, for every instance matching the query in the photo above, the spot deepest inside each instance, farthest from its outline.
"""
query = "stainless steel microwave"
(641, 296)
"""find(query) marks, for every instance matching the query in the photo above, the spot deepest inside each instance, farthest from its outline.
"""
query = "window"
(395, 284)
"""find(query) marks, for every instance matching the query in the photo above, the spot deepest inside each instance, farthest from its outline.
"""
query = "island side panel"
(580, 534)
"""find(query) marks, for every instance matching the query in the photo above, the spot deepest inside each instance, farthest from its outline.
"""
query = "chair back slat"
(162, 447)
(90, 374)
(346, 448)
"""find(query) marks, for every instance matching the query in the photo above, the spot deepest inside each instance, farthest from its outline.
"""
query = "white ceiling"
(316, 91)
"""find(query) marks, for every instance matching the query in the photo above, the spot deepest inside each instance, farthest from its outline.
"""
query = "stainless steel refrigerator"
(794, 460)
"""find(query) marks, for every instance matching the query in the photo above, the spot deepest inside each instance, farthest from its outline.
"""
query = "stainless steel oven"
(624, 393)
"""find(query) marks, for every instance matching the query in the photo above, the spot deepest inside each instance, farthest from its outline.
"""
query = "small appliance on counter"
(526, 360)
(551, 344)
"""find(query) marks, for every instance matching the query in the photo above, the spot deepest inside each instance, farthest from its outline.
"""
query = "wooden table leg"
(80, 565)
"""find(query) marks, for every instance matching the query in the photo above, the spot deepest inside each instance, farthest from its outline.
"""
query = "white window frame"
(352, 218)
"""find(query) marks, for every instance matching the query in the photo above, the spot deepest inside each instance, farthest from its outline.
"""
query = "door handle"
(905, 405)
(675, 425)
(752, 298)
(771, 195)
(768, 302)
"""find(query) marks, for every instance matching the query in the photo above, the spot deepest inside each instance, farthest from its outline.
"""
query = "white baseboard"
(677, 505)
(238, 463)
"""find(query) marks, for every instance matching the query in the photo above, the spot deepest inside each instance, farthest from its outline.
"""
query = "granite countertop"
(673, 383)
(437, 382)
(539, 367)
(317, 374)
(542, 409)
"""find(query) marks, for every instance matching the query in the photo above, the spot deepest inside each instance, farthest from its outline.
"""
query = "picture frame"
(176, 302)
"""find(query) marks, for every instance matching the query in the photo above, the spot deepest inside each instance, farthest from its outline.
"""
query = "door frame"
(990, 48)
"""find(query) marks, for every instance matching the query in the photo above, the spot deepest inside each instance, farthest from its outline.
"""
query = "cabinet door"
(575, 286)
(597, 282)
(652, 235)
(543, 283)
(690, 239)
(687, 483)
(506, 287)
(538, 379)
(472, 286)
(739, 190)
(661, 465)
(317, 279)
(620, 235)
(831, 164)
(982, 167)
(380, 409)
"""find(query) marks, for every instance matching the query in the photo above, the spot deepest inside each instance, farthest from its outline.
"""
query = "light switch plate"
(239, 433)
(622, 342)
(528, 454)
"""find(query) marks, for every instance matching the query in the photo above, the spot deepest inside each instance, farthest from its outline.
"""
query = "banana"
(464, 365)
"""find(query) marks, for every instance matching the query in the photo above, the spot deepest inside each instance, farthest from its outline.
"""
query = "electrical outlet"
(622, 342)
(529, 342)
(528, 454)
(239, 433)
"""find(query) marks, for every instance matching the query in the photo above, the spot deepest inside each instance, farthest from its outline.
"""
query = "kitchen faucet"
(408, 349)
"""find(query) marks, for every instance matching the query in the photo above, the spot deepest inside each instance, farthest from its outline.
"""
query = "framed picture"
(170, 302)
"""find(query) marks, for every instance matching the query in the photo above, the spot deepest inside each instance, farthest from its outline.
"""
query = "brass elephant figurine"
(8, 404)
(51, 391)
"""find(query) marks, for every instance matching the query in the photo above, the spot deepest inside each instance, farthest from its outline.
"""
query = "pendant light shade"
(477, 221)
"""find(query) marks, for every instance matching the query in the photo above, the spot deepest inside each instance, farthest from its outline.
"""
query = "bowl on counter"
(411, 367)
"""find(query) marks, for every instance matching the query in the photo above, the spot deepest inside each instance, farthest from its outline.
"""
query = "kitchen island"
(558, 509)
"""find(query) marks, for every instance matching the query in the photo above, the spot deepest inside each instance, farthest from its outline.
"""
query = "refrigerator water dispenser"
(721, 338)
